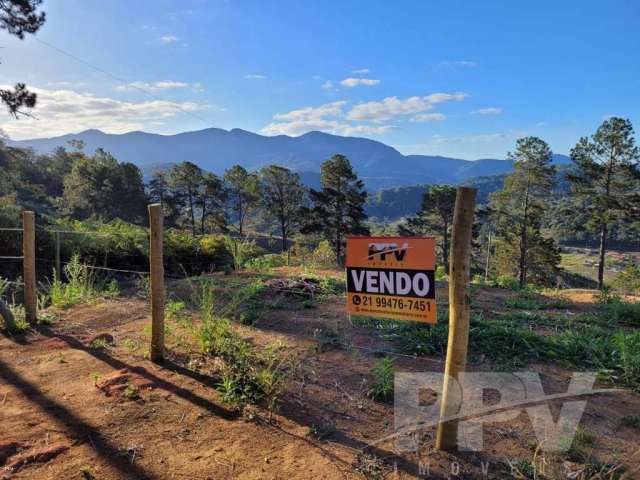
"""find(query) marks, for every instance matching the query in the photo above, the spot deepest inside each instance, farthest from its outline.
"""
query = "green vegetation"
(604, 180)
(435, 216)
(338, 208)
(510, 343)
(249, 375)
(81, 286)
(522, 250)
(382, 388)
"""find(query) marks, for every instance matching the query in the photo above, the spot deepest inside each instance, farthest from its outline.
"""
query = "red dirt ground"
(70, 411)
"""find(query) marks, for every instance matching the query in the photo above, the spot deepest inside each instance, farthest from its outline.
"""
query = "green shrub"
(324, 255)
(606, 296)
(619, 312)
(628, 346)
(81, 286)
(524, 301)
(628, 280)
(441, 273)
(241, 251)
(266, 262)
(382, 388)
(504, 281)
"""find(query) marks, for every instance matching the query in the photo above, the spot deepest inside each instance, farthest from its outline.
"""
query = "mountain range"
(214, 149)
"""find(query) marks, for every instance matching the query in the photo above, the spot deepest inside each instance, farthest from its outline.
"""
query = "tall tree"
(605, 179)
(338, 208)
(243, 192)
(282, 196)
(211, 198)
(435, 216)
(19, 17)
(185, 180)
(100, 186)
(519, 206)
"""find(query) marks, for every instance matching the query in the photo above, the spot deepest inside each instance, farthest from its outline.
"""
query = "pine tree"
(435, 216)
(338, 208)
(19, 17)
(605, 178)
(243, 192)
(282, 197)
(520, 205)
(185, 180)
(211, 198)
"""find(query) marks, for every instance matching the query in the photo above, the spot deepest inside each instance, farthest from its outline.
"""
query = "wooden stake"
(459, 302)
(157, 283)
(58, 263)
(29, 266)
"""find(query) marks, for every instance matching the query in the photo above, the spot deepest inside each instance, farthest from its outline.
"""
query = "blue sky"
(454, 78)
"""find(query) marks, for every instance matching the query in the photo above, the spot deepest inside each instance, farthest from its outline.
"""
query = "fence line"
(11, 258)
(3, 229)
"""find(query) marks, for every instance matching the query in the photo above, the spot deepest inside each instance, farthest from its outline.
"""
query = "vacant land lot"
(79, 399)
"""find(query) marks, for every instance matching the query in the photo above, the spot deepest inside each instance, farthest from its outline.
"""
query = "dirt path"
(69, 411)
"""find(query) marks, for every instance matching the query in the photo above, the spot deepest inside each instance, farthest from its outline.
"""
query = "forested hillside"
(216, 150)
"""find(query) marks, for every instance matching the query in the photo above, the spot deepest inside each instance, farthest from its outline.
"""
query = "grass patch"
(81, 286)
(632, 421)
(250, 375)
(382, 388)
(508, 343)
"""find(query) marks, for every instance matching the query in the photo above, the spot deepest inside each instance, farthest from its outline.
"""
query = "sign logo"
(381, 250)
(391, 277)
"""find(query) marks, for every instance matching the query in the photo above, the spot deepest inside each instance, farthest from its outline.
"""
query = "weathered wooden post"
(157, 282)
(29, 266)
(58, 263)
(459, 309)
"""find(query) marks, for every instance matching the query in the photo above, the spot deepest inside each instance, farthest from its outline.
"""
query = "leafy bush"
(441, 273)
(504, 281)
(266, 262)
(628, 346)
(249, 375)
(324, 255)
(524, 301)
(81, 286)
(241, 251)
(628, 280)
(620, 312)
(382, 389)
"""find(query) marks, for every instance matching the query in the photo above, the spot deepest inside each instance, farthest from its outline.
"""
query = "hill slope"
(216, 150)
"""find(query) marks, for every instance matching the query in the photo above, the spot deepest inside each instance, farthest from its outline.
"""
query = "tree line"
(72, 183)
(604, 192)
(518, 224)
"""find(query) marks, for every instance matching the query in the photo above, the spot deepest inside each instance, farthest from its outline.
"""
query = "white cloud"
(155, 86)
(428, 117)
(62, 111)
(161, 85)
(482, 138)
(327, 118)
(487, 111)
(333, 109)
(393, 106)
(361, 71)
(328, 85)
(169, 39)
(453, 64)
(354, 82)
(254, 76)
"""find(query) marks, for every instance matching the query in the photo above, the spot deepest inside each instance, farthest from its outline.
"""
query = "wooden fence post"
(58, 263)
(459, 306)
(29, 266)
(157, 282)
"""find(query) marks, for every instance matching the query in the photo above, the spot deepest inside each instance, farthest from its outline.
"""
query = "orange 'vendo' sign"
(391, 277)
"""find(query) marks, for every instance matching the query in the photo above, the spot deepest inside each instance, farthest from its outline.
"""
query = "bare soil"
(72, 411)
